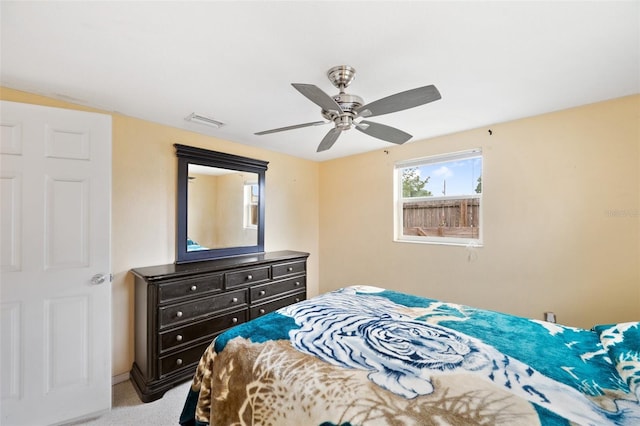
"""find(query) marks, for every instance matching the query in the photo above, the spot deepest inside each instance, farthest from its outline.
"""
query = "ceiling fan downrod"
(341, 76)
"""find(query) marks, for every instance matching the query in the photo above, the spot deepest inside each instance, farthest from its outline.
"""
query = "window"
(438, 199)
(251, 205)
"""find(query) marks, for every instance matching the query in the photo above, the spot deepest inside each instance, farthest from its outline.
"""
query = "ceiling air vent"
(203, 119)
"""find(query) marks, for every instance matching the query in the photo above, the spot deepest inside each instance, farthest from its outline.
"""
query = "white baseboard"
(120, 378)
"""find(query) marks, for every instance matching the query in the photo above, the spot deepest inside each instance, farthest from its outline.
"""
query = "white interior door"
(55, 225)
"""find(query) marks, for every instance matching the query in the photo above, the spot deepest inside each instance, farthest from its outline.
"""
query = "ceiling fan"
(345, 110)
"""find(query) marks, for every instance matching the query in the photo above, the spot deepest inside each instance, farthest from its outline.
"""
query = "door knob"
(98, 279)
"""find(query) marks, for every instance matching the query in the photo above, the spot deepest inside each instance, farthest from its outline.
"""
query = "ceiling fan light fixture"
(203, 119)
(343, 122)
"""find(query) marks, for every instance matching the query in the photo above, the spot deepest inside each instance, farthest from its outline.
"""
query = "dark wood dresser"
(180, 308)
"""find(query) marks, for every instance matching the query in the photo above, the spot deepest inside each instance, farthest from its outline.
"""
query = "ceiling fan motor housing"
(348, 104)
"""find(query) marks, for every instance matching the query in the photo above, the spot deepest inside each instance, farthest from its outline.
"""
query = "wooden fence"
(454, 218)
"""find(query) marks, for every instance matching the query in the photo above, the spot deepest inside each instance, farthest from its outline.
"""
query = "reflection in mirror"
(220, 204)
(222, 208)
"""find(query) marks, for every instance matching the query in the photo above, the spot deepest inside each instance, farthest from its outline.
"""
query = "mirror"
(222, 208)
(220, 204)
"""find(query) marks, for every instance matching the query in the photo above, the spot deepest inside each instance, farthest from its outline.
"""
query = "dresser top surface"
(172, 270)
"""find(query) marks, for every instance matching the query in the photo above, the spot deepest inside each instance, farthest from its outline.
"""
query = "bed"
(370, 356)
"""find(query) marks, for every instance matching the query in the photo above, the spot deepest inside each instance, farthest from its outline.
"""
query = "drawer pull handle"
(178, 361)
(194, 288)
(297, 283)
(262, 292)
(234, 320)
(261, 311)
(297, 299)
(179, 314)
(179, 337)
(234, 300)
(249, 277)
(290, 269)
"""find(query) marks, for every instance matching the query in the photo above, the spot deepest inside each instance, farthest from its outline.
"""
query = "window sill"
(467, 244)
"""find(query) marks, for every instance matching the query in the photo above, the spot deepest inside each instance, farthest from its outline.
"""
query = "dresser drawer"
(209, 327)
(265, 308)
(187, 358)
(273, 289)
(282, 269)
(181, 312)
(192, 287)
(247, 276)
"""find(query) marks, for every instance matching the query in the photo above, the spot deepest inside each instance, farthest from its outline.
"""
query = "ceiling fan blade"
(297, 126)
(400, 101)
(381, 131)
(329, 139)
(318, 97)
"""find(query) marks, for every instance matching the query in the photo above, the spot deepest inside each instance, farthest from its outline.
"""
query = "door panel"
(66, 232)
(10, 221)
(55, 183)
(66, 342)
(11, 366)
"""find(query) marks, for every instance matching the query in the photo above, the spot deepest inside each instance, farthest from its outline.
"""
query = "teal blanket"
(369, 356)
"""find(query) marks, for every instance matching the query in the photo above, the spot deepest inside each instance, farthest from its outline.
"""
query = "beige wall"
(144, 205)
(561, 219)
(549, 184)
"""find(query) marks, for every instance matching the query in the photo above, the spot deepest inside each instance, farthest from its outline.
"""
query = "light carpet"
(128, 410)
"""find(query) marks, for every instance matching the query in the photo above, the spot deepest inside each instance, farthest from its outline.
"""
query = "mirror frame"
(191, 155)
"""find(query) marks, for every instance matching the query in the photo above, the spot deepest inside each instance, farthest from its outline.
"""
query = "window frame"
(249, 205)
(399, 200)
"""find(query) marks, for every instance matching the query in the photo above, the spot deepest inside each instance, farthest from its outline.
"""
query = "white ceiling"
(235, 60)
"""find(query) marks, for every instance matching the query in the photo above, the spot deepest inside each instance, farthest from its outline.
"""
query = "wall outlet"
(550, 317)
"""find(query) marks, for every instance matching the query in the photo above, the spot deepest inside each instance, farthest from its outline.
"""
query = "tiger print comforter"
(369, 356)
